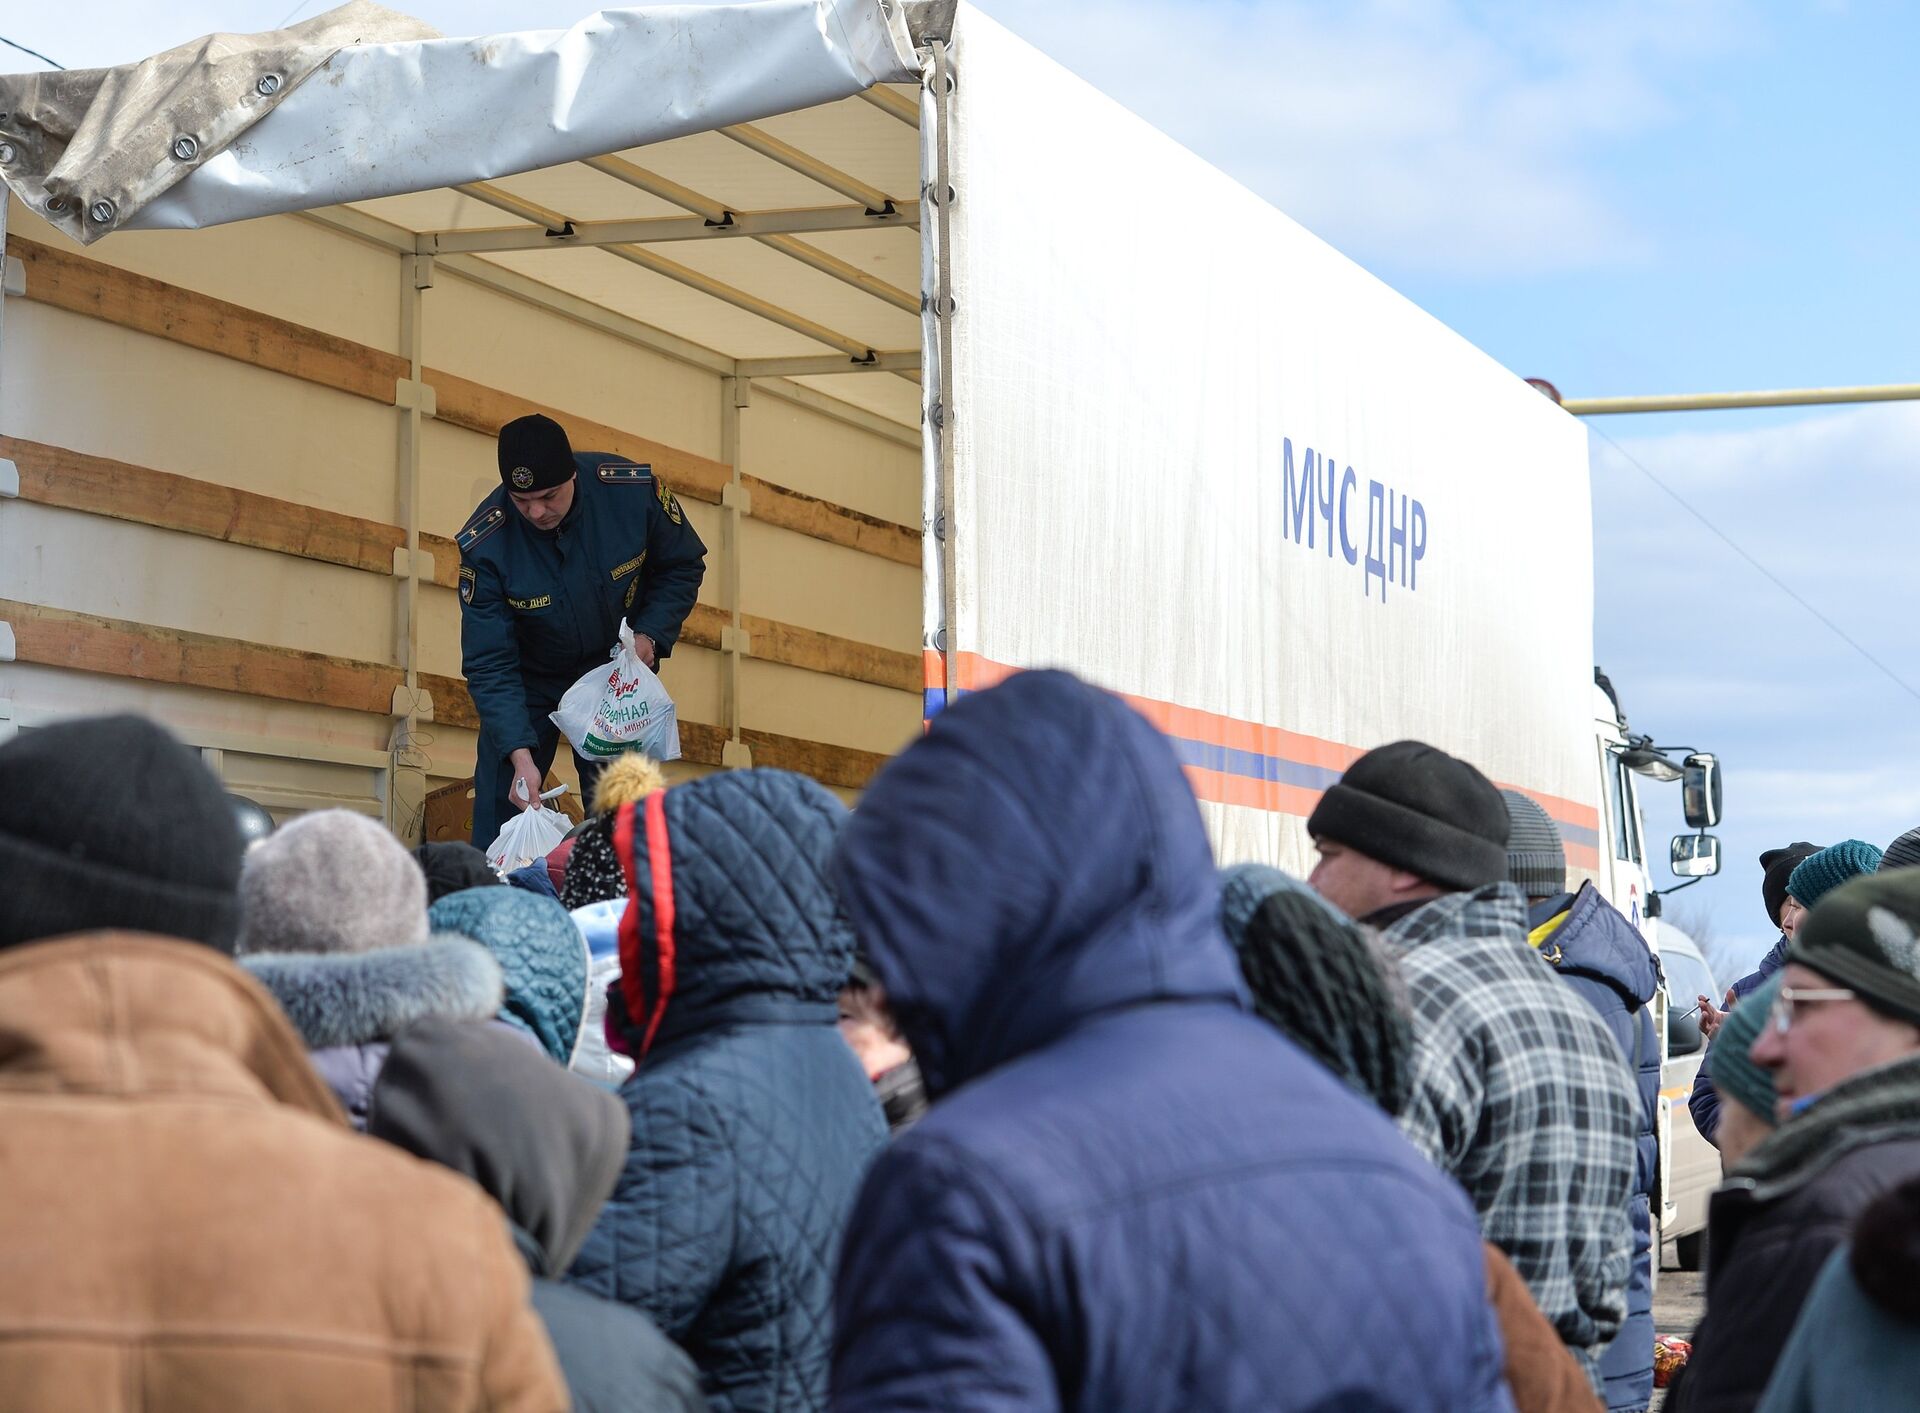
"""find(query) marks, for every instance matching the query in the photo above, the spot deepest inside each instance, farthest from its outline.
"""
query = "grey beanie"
(1903, 852)
(331, 882)
(1536, 859)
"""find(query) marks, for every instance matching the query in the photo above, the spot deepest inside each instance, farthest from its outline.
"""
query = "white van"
(1689, 1165)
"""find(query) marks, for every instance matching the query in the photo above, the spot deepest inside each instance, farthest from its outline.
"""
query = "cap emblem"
(522, 477)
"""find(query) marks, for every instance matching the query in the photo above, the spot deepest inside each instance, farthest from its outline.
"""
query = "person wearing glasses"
(1842, 1043)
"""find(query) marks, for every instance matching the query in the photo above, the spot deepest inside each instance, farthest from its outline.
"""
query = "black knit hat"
(109, 822)
(1779, 865)
(453, 866)
(1416, 808)
(1865, 934)
(535, 454)
(1536, 859)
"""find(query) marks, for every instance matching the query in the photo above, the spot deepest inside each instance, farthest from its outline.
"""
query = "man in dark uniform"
(549, 566)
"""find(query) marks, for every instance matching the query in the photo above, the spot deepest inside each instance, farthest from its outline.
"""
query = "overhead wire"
(14, 44)
(1781, 584)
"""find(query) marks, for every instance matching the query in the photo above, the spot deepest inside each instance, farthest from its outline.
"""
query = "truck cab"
(1689, 1167)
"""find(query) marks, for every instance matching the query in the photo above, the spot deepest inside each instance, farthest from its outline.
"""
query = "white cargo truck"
(960, 369)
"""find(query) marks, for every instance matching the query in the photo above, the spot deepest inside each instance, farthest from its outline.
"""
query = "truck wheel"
(1689, 1249)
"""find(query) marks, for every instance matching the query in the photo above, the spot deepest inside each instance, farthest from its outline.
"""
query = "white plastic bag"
(527, 837)
(620, 707)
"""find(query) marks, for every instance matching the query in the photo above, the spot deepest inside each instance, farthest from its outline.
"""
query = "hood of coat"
(1597, 941)
(351, 998)
(121, 1014)
(542, 955)
(731, 918)
(547, 1145)
(1036, 859)
(1886, 1251)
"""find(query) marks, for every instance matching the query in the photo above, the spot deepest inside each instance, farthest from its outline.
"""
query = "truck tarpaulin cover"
(361, 103)
(1212, 464)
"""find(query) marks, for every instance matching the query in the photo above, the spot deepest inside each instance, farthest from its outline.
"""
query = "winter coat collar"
(1037, 859)
(1497, 910)
(1595, 941)
(1880, 1105)
(121, 1014)
(354, 997)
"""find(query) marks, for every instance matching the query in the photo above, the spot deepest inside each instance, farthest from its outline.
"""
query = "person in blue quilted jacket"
(752, 1120)
(1130, 1192)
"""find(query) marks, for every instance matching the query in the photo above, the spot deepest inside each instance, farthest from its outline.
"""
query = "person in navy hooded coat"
(1604, 958)
(752, 1120)
(1130, 1192)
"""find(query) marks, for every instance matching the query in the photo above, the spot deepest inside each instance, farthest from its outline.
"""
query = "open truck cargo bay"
(959, 367)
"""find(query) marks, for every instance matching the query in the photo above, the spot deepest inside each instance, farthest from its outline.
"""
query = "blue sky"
(1622, 197)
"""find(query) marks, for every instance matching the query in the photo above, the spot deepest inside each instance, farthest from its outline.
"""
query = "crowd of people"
(992, 1094)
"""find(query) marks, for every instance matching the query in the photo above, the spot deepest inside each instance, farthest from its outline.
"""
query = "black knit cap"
(109, 822)
(453, 866)
(1866, 935)
(535, 454)
(1536, 859)
(1416, 808)
(1779, 865)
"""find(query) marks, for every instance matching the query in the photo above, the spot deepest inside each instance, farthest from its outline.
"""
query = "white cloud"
(1435, 137)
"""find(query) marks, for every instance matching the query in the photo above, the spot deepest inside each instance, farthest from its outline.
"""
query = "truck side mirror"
(1694, 856)
(1683, 1033)
(1700, 790)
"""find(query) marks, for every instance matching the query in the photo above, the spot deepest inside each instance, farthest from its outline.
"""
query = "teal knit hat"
(1733, 1071)
(1819, 874)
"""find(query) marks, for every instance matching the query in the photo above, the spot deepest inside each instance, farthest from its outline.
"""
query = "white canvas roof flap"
(362, 103)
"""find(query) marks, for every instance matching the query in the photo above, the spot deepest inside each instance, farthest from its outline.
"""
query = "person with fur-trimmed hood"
(1606, 961)
(189, 1223)
(1520, 1092)
(334, 924)
(752, 1122)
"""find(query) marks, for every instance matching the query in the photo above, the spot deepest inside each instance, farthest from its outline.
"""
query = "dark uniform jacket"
(539, 608)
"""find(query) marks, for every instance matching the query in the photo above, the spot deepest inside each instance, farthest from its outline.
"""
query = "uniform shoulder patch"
(667, 501)
(478, 528)
(626, 473)
(466, 584)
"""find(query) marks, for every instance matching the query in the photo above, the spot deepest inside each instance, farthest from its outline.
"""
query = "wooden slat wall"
(71, 480)
(79, 285)
(54, 637)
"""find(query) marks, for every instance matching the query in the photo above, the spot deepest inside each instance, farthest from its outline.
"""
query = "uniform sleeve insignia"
(667, 501)
(621, 571)
(528, 605)
(625, 473)
(466, 584)
(632, 589)
(480, 527)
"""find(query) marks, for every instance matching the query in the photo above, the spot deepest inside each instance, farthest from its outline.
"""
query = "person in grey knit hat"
(334, 924)
(1903, 852)
(1603, 958)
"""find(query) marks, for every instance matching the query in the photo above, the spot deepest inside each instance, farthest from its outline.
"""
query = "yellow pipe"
(1707, 402)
